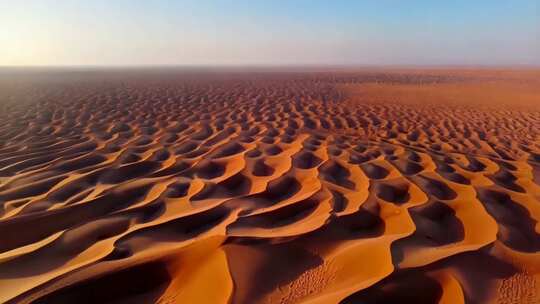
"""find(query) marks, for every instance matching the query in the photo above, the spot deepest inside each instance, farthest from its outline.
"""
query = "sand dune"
(168, 186)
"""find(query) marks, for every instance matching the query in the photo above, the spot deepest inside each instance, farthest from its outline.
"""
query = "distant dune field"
(269, 186)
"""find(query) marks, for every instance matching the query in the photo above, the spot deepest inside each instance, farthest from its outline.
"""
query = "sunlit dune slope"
(381, 186)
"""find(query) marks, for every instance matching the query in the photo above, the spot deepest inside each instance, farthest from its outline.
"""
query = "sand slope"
(381, 186)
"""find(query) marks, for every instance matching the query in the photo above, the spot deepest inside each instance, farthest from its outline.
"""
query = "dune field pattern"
(241, 186)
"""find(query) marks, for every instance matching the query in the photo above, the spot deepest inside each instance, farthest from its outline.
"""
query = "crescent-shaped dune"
(245, 186)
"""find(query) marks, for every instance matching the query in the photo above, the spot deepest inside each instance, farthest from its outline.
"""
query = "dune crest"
(394, 186)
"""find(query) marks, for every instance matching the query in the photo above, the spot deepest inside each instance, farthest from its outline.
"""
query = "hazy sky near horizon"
(259, 32)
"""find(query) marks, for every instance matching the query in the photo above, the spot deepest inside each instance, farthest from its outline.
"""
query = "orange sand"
(169, 186)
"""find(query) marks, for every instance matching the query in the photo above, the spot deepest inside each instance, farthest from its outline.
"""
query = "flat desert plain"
(270, 186)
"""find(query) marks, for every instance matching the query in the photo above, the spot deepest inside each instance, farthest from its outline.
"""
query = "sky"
(269, 32)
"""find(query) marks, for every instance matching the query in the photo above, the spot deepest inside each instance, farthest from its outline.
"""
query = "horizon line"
(271, 66)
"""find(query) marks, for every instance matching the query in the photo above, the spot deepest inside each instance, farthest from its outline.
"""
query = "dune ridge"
(383, 186)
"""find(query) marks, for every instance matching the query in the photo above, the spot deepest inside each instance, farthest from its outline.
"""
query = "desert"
(306, 185)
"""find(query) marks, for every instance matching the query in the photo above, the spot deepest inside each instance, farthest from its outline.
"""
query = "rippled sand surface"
(242, 186)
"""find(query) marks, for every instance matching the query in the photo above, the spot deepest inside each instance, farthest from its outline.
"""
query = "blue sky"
(268, 32)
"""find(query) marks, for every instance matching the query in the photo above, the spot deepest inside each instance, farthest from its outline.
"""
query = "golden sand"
(381, 186)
